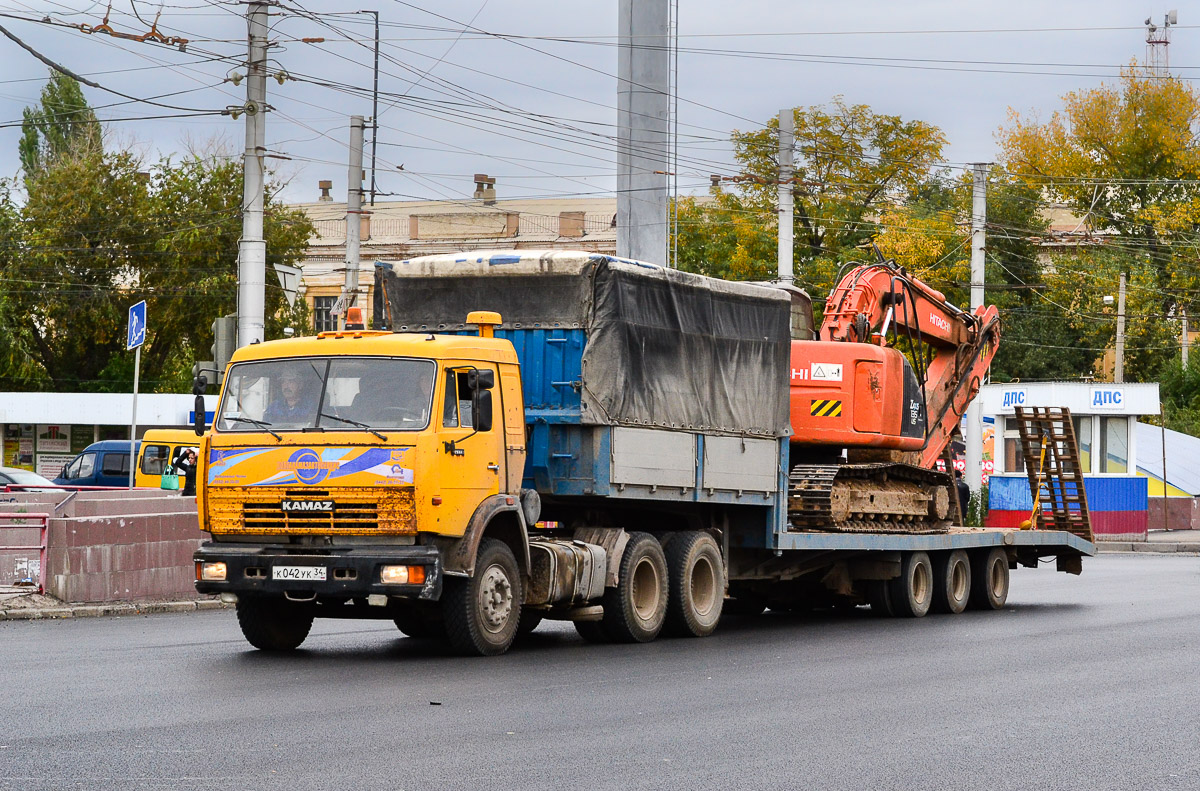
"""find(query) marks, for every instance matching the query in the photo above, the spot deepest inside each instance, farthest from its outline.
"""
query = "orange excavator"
(876, 399)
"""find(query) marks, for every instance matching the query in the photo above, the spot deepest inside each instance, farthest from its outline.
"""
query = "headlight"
(402, 575)
(211, 572)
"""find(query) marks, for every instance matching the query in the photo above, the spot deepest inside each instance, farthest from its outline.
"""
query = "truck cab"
(345, 471)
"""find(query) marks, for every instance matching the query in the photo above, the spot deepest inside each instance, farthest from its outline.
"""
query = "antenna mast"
(1158, 39)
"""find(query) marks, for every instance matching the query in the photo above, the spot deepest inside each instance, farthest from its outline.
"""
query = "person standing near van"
(186, 466)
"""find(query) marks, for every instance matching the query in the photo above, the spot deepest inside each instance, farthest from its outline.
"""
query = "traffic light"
(224, 343)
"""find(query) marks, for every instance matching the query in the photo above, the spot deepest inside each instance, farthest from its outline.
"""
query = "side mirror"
(479, 379)
(198, 416)
(481, 408)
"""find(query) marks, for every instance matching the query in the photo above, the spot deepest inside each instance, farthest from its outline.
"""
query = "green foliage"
(62, 126)
(98, 233)
(850, 164)
(1179, 389)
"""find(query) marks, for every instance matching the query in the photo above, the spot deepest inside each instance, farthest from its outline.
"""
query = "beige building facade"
(397, 230)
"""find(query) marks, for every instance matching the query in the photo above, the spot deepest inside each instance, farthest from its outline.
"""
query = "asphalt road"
(1088, 682)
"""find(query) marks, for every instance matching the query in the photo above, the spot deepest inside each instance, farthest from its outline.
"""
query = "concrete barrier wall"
(1183, 513)
(117, 546)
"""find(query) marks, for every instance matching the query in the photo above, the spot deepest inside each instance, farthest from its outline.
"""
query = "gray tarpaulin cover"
(664, 348)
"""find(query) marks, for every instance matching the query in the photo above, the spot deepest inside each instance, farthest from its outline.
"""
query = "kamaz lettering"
(307, 505)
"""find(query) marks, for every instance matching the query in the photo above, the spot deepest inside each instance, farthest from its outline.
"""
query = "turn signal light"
(211, 572)
(402, 575)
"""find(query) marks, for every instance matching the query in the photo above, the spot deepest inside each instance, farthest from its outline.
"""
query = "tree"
(1126, 158)
(852, 164)
(63, 125)
(100, 231)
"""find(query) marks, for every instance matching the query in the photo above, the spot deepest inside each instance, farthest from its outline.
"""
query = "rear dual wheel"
(911, 594)
(951, 582)
(989, 579)
(635, 610)
(697, 584)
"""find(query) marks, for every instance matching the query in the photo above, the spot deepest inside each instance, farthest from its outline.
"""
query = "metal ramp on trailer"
(1055, 474)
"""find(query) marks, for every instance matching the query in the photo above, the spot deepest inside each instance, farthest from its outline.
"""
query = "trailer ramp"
(1055, 474)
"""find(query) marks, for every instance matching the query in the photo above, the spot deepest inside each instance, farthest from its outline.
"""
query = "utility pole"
(374, 105)
(1184, 342)
(1119, 372)
(252, 247)
(973, 436)
(643, 128)
(354, 193)
(786, 130)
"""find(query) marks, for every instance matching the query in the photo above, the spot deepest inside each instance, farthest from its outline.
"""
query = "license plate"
(302, 573)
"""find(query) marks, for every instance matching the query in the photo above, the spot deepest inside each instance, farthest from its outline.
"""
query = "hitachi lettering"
(1014, 398)
(307, 505)
(938, 321)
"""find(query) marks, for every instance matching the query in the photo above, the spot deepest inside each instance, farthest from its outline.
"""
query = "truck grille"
(258, 511)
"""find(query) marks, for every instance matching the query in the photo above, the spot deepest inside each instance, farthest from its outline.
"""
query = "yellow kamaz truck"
(564, 435)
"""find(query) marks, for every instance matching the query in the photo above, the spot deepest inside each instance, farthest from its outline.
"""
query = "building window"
(323, 319)
(1114, 444)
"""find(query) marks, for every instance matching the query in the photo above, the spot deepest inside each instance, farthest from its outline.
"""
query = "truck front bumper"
(349, 572)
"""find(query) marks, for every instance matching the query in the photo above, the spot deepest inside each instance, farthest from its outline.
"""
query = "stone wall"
(117, 546)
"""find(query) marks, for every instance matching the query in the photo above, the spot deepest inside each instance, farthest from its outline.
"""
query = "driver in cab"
(297, 401)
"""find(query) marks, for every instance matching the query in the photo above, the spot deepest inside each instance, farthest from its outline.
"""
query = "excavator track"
(868, 498)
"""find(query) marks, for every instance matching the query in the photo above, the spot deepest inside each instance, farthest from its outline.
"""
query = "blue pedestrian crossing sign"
(136, 334)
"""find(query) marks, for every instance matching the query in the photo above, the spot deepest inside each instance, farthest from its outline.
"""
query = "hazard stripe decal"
(826, 409)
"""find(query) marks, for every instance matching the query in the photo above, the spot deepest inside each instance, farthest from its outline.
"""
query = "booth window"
(1013, 460)
(1114, 444)
(1083, 439)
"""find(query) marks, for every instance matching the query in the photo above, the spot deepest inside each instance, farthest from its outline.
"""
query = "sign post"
(134, 338)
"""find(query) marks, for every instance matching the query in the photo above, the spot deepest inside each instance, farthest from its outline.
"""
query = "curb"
(118, 609)
(1156, 547)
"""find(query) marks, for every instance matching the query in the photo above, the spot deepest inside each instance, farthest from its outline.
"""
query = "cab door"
(471, 462)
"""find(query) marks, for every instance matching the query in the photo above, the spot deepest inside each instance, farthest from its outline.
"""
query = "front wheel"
(483, 611)
(273, 624)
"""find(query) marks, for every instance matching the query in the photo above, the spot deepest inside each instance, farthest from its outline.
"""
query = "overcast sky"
(958, 65)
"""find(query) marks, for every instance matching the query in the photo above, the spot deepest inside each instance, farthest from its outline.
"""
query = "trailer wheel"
(989, 579)
(696, 576)
(912, 592)
(951, 582)
(483, 611)
(880, 598)
(634, 611)
(273, 625)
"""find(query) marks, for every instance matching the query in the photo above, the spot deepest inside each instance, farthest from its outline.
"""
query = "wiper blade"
(354, 423)
(260, 423)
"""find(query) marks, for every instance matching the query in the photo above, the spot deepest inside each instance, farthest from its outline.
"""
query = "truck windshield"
(338, 393)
